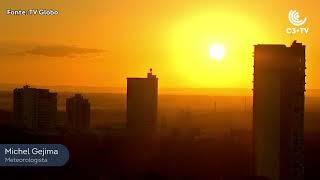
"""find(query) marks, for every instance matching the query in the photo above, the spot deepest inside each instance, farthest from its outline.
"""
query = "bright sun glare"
(216, 52)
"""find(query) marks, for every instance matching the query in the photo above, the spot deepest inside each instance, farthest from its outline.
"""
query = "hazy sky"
(100, 43)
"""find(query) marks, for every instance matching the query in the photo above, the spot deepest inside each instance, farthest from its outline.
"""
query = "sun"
(216, 52)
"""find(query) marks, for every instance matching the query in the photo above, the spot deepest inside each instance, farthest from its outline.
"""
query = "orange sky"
(100, 43)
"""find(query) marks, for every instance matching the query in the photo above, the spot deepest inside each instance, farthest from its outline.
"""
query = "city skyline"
(277, 127)
(140, 89)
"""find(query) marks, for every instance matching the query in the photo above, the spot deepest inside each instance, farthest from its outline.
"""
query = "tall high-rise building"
(34, 108)
(78, 112)
(278, 111)
(142, 103)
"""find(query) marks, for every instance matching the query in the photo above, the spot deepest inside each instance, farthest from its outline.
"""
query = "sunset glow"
(98, 45)
(216, 52)
(160, 89)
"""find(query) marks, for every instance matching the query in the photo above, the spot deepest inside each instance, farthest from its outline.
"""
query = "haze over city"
(140, 89)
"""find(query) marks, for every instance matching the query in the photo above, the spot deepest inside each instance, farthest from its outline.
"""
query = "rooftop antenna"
(150, 70)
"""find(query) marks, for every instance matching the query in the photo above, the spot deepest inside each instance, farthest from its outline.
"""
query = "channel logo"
(294, 18)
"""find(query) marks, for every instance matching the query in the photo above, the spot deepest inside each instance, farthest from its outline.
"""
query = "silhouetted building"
(34, 108)
(278, 111)
(61, 120)
(5, 117)
(142, 102)
(78, 112)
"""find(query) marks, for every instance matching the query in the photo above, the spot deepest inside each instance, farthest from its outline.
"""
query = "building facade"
(34, 108)
(278, 111)
(78, 112)
(142, 104)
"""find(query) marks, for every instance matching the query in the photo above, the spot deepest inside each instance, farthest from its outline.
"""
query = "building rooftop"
(149, 76)
(294, 43)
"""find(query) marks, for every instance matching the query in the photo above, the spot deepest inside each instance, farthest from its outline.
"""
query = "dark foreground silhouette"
(173, 157)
